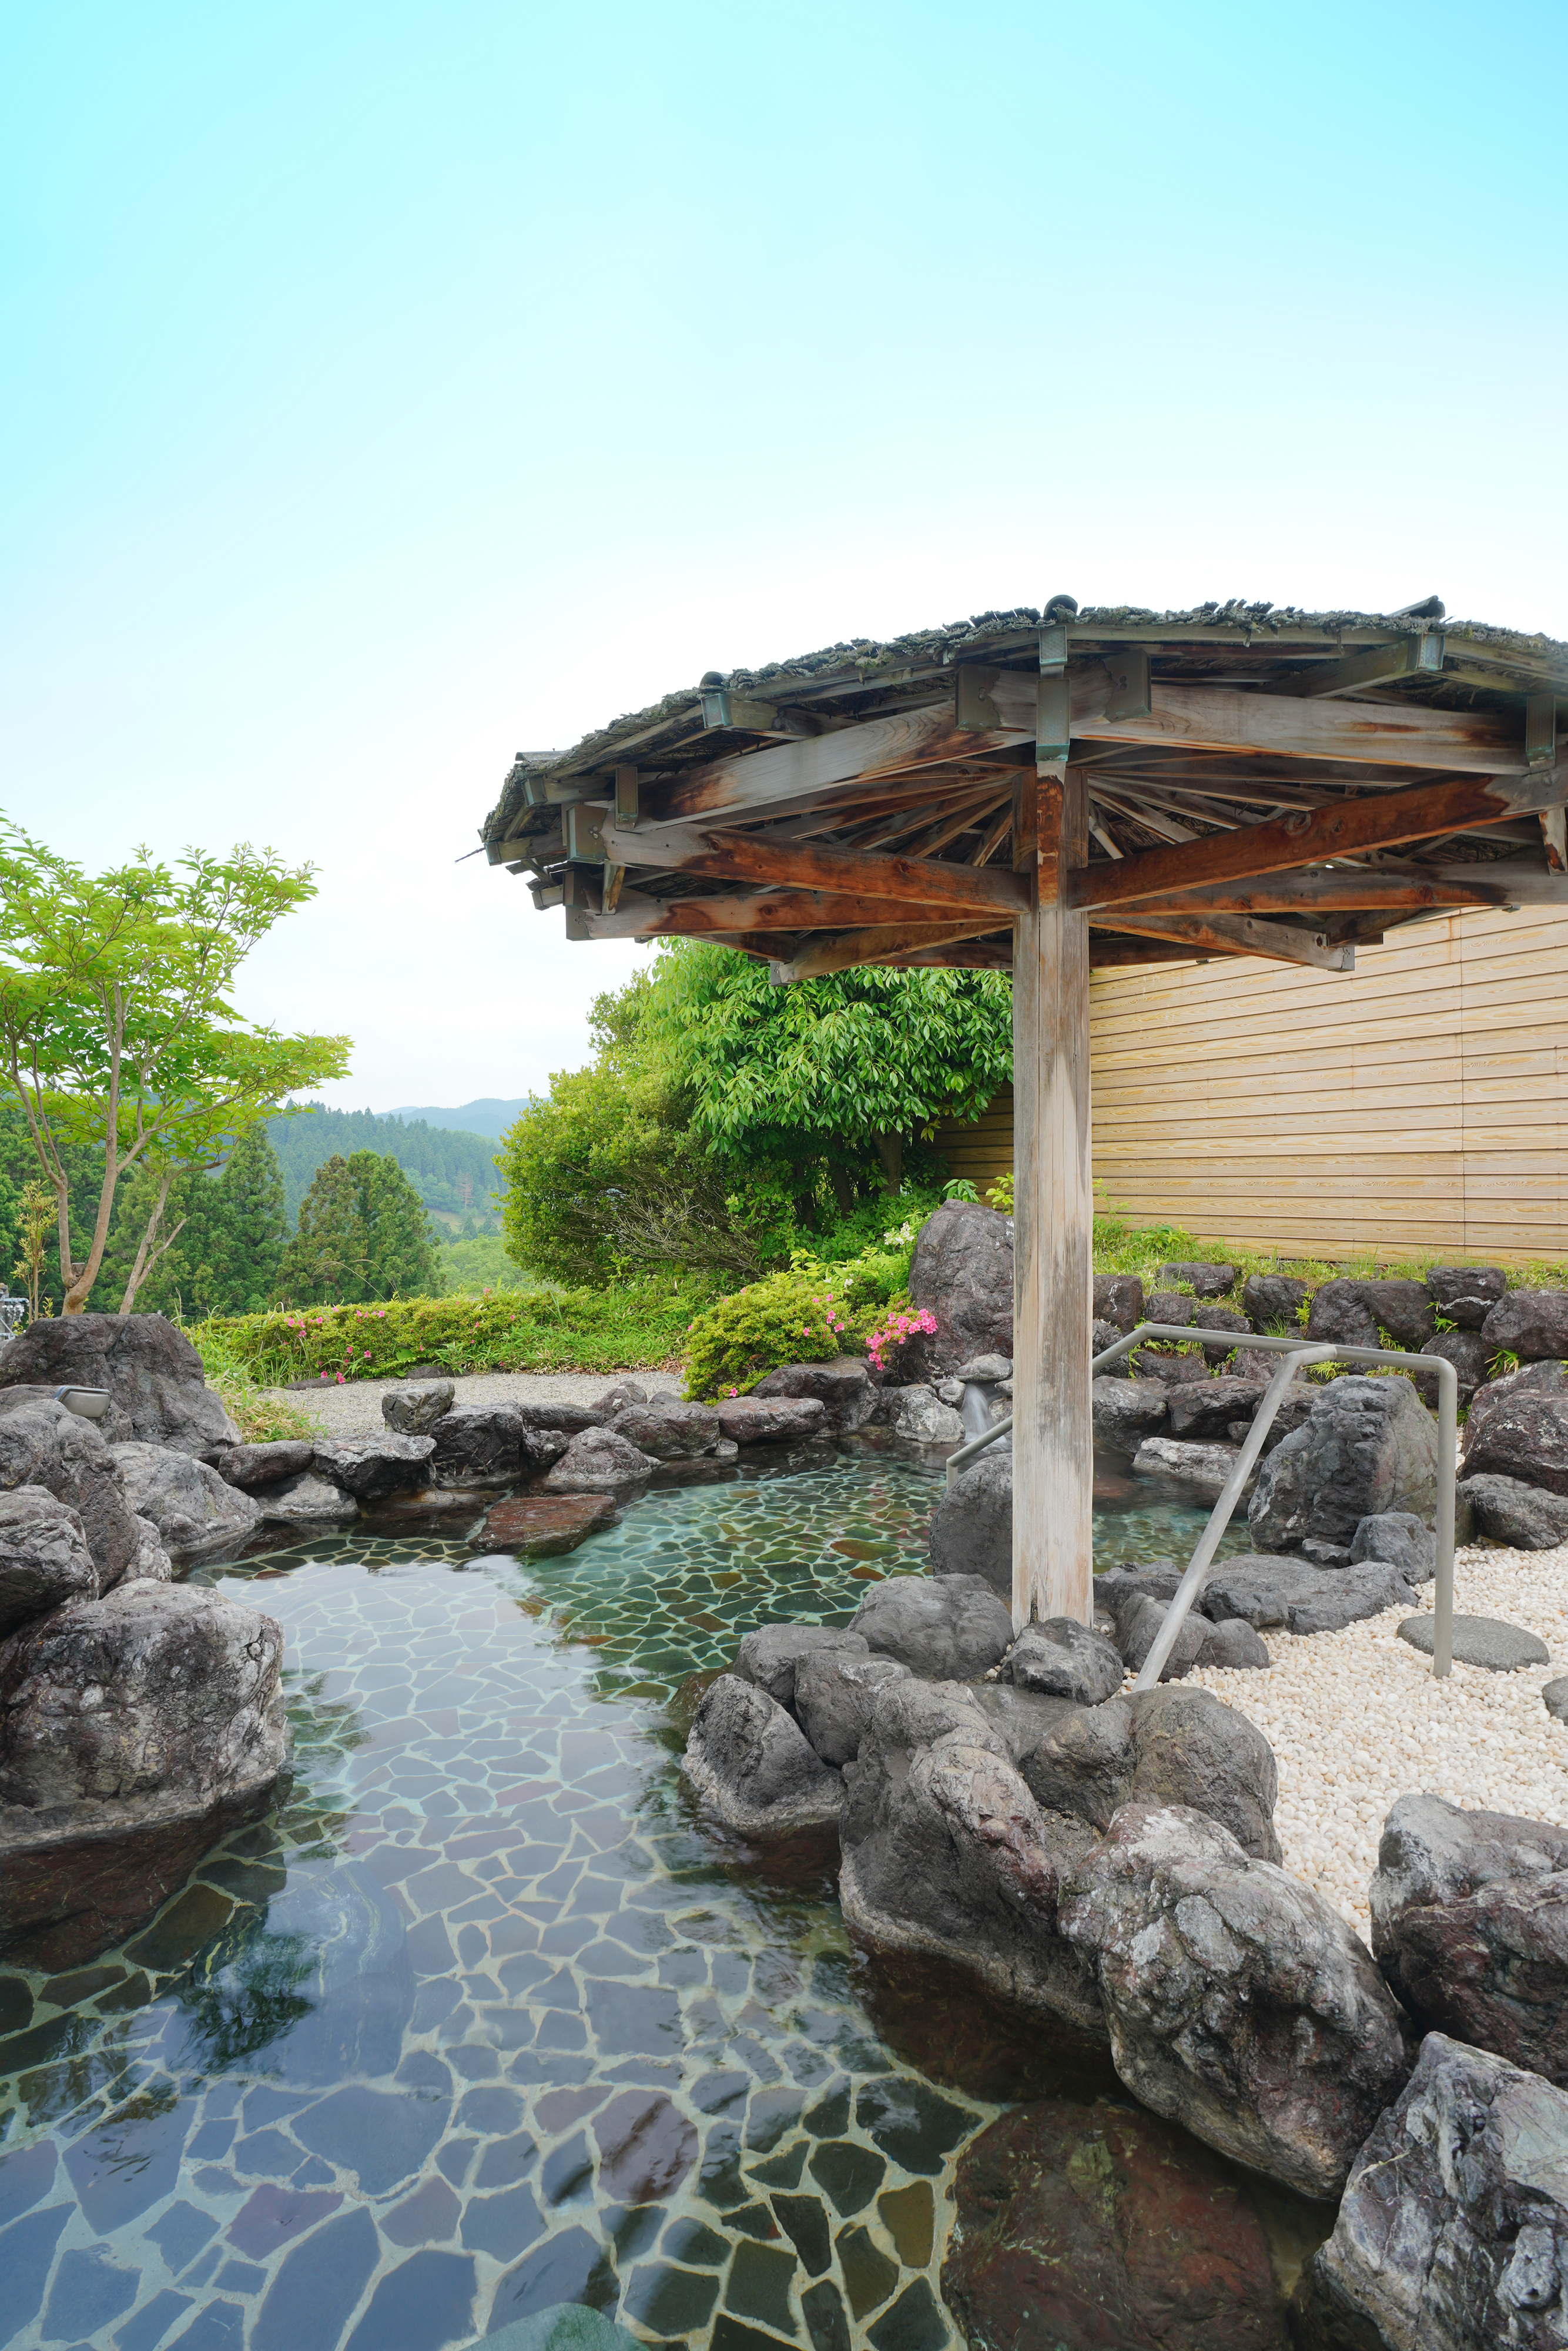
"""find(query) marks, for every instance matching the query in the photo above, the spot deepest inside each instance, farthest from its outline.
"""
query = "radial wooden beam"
(841, 950)
(1377, 821)
(861, 753)
(1233, 719)
(639, 917)
(733, 856)
(1241, 934)
(1326, 893)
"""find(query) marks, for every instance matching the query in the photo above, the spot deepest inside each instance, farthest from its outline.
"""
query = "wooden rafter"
(734, 856)
(841, 950)
(1379, 820)
(1242, 934)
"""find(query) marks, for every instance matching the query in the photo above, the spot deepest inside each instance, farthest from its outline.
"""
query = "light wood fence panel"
(1417, 1103)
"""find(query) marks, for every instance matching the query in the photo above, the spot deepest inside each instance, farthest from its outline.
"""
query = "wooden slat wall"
(1416, 1104)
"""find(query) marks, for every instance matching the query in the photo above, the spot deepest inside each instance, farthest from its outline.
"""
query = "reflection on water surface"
(485, 2018)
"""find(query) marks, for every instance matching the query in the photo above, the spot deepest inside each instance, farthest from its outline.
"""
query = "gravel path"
(1355, 1719)
(355, 1409)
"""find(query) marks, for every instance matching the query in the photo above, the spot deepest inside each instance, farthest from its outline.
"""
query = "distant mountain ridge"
(488, 1116)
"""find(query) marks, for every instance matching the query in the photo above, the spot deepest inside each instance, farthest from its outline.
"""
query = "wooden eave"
(1208, 743)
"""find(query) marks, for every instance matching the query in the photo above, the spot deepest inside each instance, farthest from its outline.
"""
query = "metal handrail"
(1295, 1355)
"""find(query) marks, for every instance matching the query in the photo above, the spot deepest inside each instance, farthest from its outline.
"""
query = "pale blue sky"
(388, 388)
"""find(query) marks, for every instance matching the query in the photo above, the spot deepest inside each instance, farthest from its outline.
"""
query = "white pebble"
(1355, 1719)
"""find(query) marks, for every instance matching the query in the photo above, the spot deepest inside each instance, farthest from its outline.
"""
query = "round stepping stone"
(1554, 1698)
(1480, 1641)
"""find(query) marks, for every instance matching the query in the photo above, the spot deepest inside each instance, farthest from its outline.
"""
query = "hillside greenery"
(452, 1172)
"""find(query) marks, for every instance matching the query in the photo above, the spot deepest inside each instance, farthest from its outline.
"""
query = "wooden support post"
(1054, 1440)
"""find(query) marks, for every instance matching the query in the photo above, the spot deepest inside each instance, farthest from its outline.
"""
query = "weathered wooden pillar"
(1053, 1453)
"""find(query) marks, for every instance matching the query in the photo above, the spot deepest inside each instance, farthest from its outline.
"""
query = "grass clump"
(260, 1419)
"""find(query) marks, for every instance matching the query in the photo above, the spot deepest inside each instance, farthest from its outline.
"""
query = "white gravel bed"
(355, 1408)
(1356, 1718)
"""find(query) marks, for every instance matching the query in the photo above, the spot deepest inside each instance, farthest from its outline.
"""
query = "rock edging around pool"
(1039, 1841)
(1110, 1863)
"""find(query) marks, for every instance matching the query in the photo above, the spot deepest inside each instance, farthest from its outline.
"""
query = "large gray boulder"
(105, 1808)
(1139, 1623)
(150, 1370)
(564, 1419)
(1272, 1301)
(1127, 1410)
(482, 1445)
(42, 1444)
(1119, 1301)
(1525, 1437)
(1548, 1379)
(1340, 1312)
(771, 1655)
(414, 1409)
(372, 1468)
(1171, 1746)
(44, 1557)
(1203, 1279)
(307, 1500)
(190, 1698)
(1204, 1468)
(834, 1688)
(1466, 1294)
(1239, 2002)
(1207, 1408)
(600, 1461)
(944, 1628)
(1261, 1589)
(962, 1273)
(843, 1387)
(1469, 1923)
(1403, 1309)
(252, 1466)
(1370, 1445)
(1453, 2231)
(917, 1414)
(1401, 1540)
(752, 1762)
(1530, 1324)
(772, 1420)
(1470, 1357)
(1530, 1518)
(972, 1525)
(195, 1511)
(665, 1430)
(947, 1854)
(1062, 1658)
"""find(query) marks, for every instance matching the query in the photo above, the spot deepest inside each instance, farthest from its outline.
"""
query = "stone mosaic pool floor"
(487, 2018)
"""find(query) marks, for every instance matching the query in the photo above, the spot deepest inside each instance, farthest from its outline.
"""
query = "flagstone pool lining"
(636, 2003)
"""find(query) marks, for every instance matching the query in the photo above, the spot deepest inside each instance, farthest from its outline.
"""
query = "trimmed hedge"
(603, 1330)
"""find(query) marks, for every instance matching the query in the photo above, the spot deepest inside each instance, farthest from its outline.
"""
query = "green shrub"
(798, 1317)
(616, 1327)
(260, 1419)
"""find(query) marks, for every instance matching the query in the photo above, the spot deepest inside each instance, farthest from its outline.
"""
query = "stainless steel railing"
(1295, 1354)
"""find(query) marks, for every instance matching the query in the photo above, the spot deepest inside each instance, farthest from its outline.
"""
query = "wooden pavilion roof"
(1259, 781)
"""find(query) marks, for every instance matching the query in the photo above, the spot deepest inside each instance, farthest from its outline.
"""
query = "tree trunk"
(889, 1151)
(843, 1190)
(147, 1255)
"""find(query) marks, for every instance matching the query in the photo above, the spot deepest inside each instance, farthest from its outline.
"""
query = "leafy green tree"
(217, 1247)
(400, 1253)
(258, 1228)
(842, 1072)
(363, 1235)
(116, 1028)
